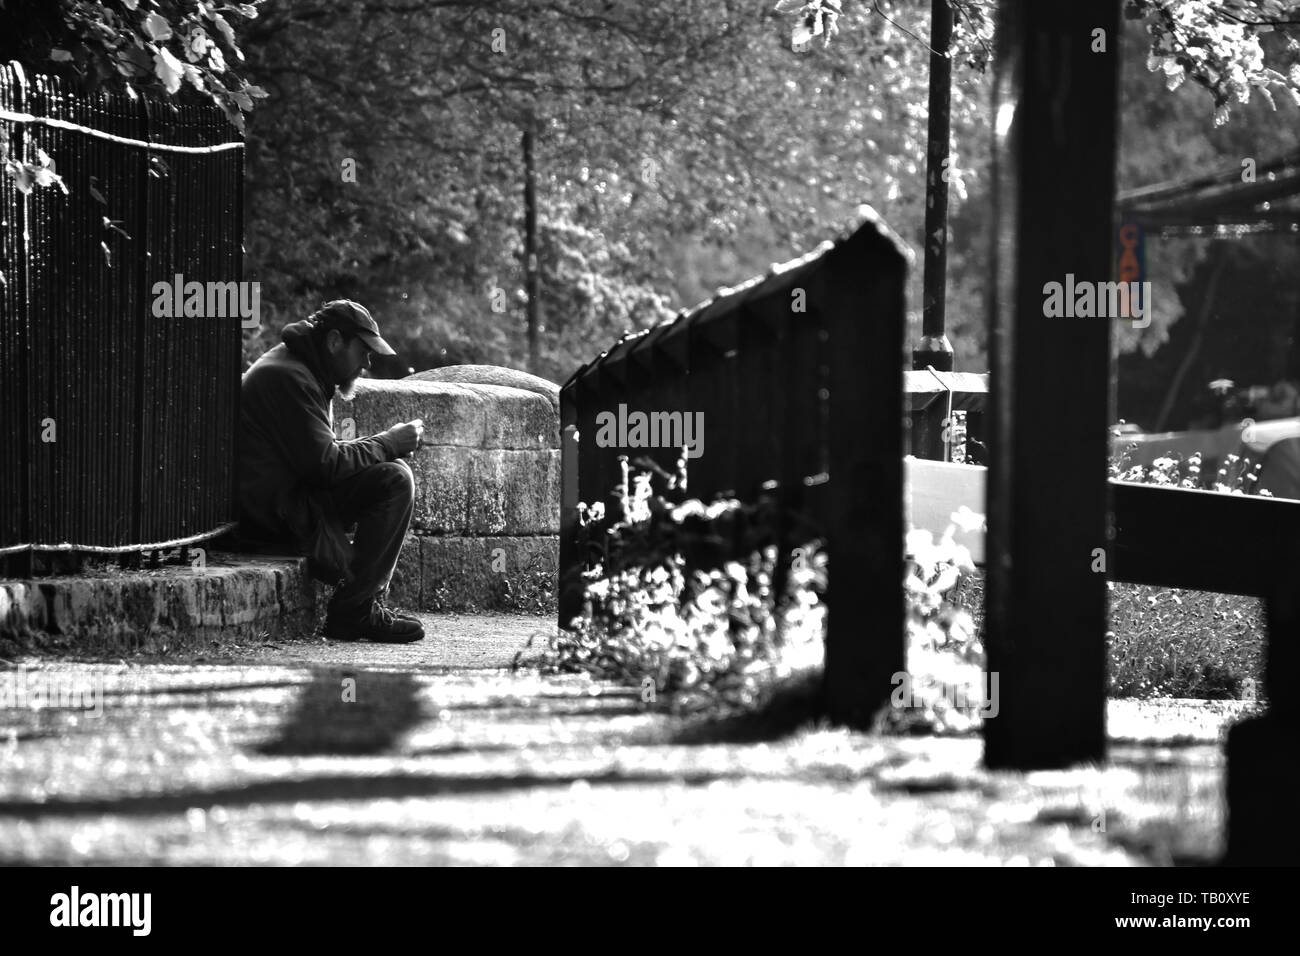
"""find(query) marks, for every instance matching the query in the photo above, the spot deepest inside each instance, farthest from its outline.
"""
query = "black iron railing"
(117, 426)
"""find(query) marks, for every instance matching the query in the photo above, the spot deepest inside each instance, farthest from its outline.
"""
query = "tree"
(681, 145)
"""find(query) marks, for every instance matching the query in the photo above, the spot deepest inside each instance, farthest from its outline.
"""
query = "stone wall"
(487, 475)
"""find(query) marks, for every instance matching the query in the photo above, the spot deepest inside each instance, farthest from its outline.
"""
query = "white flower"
(967, 520)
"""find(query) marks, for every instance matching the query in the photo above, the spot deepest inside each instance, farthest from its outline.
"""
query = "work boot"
(381, 626)
(404, 615)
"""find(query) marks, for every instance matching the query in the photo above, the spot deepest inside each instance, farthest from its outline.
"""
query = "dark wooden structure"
(798, 378)
(758, 370)
(1048, 504)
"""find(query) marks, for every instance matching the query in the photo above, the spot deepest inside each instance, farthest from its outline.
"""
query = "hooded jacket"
(288, 454)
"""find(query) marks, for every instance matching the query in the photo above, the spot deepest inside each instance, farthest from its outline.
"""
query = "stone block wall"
(485, 535)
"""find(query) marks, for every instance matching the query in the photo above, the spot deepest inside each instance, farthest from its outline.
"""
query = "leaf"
(108, 254)
(786, 6)
(157, 27)
(19, 173)
(94, 191)
(256, 92)
(60, 56)
(196, 45)
(195, 77)
(131, 4)
(169, 69)
(225, 29)
(115, 225)
(248, 10)
(242, 100)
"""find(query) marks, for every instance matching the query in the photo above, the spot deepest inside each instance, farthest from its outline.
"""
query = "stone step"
(230, 598)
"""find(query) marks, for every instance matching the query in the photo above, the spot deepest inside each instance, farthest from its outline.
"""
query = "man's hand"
(406, 436)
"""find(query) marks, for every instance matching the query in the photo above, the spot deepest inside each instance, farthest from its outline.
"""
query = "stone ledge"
(454, 413)
(492, 375)
(235, 598)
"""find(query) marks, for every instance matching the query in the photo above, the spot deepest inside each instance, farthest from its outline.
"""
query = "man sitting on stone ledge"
(299, 485)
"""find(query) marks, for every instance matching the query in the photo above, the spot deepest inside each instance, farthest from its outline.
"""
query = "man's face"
(349, 359)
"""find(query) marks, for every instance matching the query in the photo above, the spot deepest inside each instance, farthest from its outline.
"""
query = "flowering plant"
(703, 603)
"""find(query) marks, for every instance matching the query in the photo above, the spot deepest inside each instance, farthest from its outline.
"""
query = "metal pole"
(934, 349)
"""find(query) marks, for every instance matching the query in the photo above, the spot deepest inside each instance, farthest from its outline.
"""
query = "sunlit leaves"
(157, 48)
(1218, 45)
(168, 69)
(156, 27)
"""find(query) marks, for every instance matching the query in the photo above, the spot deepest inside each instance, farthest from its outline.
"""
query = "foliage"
(699, 604)
(28, 175)
(1172, 642)
(709, 606)
(1218, 46)
(1177, 643)
(151, 46)
(945, 688)
(679, 147)
(1235, 476)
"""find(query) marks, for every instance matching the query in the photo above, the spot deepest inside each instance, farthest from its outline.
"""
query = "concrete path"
(312, 753)
(451, 642)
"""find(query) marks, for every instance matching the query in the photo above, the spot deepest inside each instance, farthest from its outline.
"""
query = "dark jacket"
(288, 454)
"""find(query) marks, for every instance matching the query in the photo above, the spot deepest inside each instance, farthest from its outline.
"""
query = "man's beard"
(348, 390)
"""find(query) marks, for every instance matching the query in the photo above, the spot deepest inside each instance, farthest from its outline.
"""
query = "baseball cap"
(348, 316)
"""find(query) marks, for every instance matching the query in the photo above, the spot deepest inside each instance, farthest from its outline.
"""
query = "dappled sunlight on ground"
(288, 763)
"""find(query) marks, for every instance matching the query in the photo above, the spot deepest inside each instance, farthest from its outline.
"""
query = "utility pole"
(934, 349)
(931, 425)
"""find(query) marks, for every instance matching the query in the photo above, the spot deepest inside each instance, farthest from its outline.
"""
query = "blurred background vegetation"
(681, 145)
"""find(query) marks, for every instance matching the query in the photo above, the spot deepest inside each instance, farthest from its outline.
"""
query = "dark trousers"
(380, 499)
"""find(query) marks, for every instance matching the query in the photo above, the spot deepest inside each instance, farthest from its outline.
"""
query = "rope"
(112, 138)
(122, 549)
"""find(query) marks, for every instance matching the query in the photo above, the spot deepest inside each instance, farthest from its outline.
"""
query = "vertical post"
(25, 361)
(531, 279)
(934, 349)
(861, 291)
(238, 159)
(568, 599)
(141, 470)
(1054, 182)
(1263, 768)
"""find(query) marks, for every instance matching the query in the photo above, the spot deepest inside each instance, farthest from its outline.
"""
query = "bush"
(717, 605)
(704, 605)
